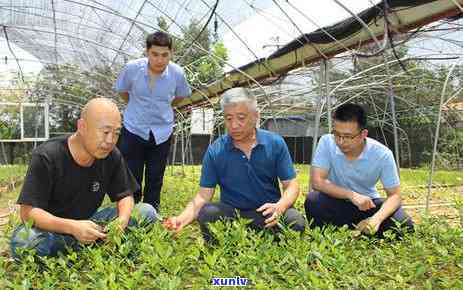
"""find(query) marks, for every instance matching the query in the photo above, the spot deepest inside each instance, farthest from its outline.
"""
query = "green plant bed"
(430, 258)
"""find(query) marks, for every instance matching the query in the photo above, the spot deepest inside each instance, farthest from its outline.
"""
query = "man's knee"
(26, 238)
(315, 207)
(311, 199)
(400, 220)
(147, 213)
(21, 239)
(294, 220)
(311, 203)
(209, 213)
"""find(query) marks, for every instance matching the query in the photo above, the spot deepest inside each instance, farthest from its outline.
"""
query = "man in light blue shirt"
(345, 170)
(148, 86)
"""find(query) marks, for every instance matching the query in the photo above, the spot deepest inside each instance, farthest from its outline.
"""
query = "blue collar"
(229, 141)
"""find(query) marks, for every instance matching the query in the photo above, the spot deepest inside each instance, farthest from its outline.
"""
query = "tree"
(202, 57)
(66, 87)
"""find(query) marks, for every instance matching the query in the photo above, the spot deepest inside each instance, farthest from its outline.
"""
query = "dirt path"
(438, 207)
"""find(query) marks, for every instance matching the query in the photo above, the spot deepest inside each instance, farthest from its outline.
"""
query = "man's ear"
(81, 125)
(257, 116)
(365, 132)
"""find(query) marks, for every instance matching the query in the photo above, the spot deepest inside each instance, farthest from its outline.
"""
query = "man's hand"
(362, 202)
(123, 222)
(125, 97)
(273, 211)
(120, 223)
(87, 232)
(174, 224)
(368, 226)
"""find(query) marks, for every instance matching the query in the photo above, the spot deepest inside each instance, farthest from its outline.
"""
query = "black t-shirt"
(57, 184)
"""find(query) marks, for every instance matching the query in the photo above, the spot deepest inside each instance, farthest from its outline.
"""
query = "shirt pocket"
(163, 107)
(139, 85)
(265, 168)
(165, 90)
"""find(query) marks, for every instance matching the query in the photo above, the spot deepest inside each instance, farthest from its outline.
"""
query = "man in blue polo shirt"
(346, 167)
(246, 163)
(148, 86)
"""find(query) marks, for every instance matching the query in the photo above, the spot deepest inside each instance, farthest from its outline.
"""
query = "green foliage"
(67, 88)
(152, 258)
(10, 127)
(414, 177)
(196, 51)
(328, 259)
(11, 172)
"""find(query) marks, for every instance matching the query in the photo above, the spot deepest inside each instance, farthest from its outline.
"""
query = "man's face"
(100, 134)
(348, 136)
(158, 57)
(240, 120)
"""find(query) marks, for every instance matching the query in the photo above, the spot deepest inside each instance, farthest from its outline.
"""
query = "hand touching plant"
(272, 211)
(369, 226)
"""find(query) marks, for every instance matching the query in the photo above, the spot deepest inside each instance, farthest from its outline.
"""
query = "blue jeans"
(50, 244)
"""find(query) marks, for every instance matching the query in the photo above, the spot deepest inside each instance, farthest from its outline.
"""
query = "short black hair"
(159, 38)
(351, 113)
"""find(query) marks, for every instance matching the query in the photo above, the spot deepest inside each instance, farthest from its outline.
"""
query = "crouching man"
(67, 180)
(247, 163)
(345, 169)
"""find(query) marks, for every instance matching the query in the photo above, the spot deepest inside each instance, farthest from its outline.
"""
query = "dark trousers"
(145, 155)
(212, 212)
(322, 209)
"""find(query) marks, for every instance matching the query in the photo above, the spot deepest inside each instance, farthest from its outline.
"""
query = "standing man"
(247, 163)
(148, 86)
(67, 180)
(345, 170)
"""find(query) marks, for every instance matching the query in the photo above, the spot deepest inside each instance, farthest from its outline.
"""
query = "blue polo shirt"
(376, 162)
(247, 183)
(150, 109)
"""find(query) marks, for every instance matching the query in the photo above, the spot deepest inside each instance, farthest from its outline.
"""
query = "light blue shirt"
(376, 162)
(150, 109)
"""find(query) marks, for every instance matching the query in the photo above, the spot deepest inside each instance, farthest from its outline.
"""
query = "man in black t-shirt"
(67, 180)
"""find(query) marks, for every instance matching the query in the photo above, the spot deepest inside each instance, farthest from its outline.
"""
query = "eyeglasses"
(347, 138)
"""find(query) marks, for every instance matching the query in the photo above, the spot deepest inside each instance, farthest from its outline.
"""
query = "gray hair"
(238, 95)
